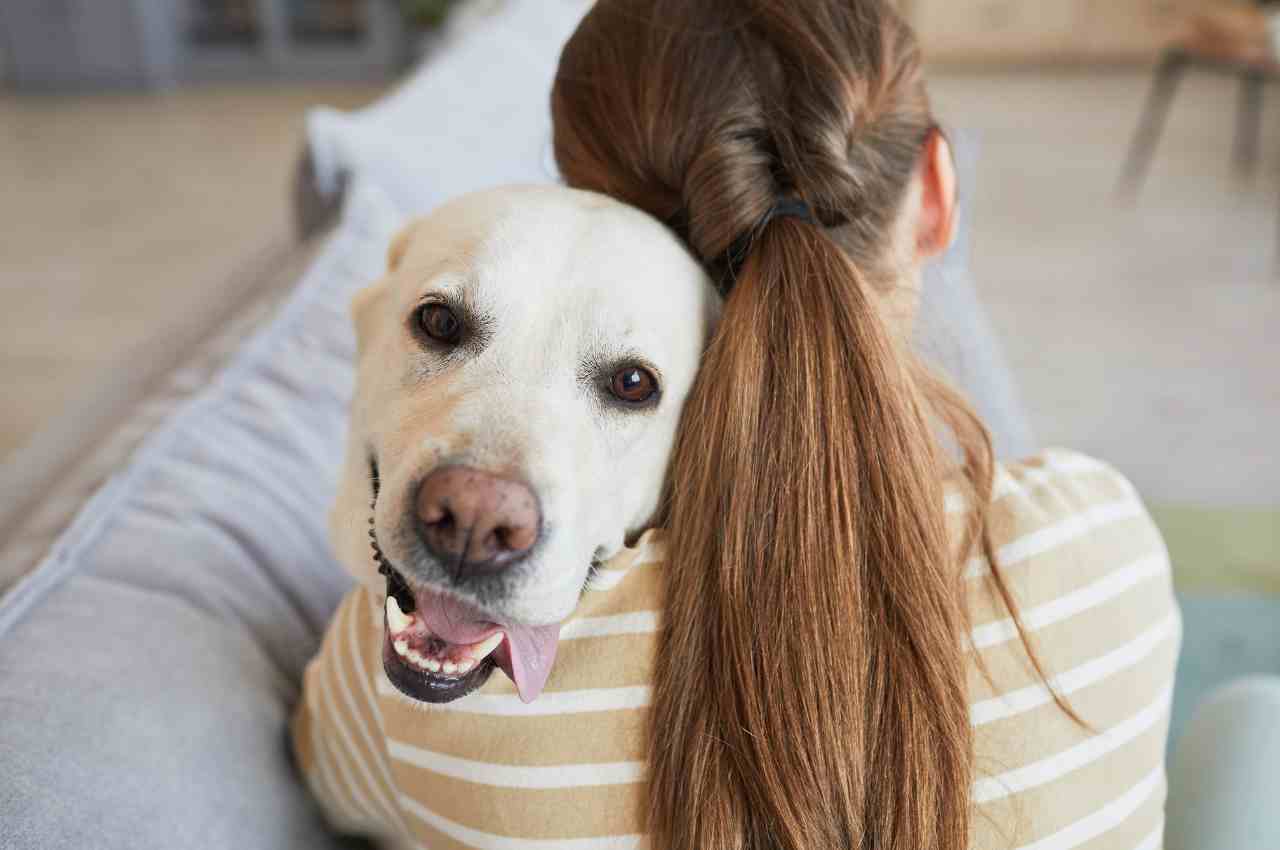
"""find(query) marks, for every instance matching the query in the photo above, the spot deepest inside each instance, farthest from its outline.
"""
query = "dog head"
(521, 371)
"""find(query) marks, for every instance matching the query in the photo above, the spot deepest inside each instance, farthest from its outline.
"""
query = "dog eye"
(634, 385)
(440, 323)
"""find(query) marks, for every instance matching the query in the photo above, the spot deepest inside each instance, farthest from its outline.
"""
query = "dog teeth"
(397, 620)
(458, 666)
(484, 650)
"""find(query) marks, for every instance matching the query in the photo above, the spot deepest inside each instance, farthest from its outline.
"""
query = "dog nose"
(479, 522)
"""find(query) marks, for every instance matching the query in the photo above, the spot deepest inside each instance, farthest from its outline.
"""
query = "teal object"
(1224, 637)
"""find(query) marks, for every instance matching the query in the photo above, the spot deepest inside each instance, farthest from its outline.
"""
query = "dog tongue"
(525, 656)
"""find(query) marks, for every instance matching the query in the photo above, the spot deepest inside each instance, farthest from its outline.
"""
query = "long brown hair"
(810, 683)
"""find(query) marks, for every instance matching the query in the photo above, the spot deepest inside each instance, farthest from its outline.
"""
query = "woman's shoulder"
(1065, 498)
(1076, 546)
(1057, 479)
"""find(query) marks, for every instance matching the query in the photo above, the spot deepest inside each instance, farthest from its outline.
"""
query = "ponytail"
(809, 686)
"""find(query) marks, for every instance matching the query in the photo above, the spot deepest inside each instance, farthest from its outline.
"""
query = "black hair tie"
(792, 207)
(740, 247)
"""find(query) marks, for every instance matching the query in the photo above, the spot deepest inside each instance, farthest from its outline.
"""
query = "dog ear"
(399, 245)
(365, 303)
(365, 311)
(350, 510)
(349, 516)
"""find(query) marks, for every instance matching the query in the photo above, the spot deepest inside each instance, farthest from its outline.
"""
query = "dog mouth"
(422, 665)
(438, 648)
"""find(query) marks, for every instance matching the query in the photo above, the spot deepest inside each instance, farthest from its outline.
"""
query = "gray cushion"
(148, 666)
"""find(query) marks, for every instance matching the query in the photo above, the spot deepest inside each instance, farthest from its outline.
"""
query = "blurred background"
(1123, 200)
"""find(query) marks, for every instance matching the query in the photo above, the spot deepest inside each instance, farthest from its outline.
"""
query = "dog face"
(521, 371)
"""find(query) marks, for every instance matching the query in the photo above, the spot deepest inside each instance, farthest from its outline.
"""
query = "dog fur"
(558, 288)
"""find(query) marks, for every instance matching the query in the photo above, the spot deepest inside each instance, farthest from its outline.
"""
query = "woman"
(837, 668)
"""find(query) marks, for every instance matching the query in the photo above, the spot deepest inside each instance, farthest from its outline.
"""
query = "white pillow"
(476, 113)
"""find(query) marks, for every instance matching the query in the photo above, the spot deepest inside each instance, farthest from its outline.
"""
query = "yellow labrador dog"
(522, 367)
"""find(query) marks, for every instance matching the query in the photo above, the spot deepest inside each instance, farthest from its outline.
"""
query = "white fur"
(565, 280)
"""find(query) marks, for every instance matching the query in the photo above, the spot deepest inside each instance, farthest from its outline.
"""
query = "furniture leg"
(1248, 122)
(1165, 84)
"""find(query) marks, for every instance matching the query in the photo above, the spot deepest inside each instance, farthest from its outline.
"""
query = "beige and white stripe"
(567, 771)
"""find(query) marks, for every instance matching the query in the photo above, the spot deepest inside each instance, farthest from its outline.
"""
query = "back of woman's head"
(810, 682)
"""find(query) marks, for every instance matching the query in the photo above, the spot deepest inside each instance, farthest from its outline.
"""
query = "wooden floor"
(1146, 333)
(1149, 335)
(116, 210)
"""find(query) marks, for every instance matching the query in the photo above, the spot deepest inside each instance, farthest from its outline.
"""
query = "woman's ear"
(936, 225)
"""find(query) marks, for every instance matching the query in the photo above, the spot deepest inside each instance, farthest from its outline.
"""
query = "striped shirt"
(1079, 551)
